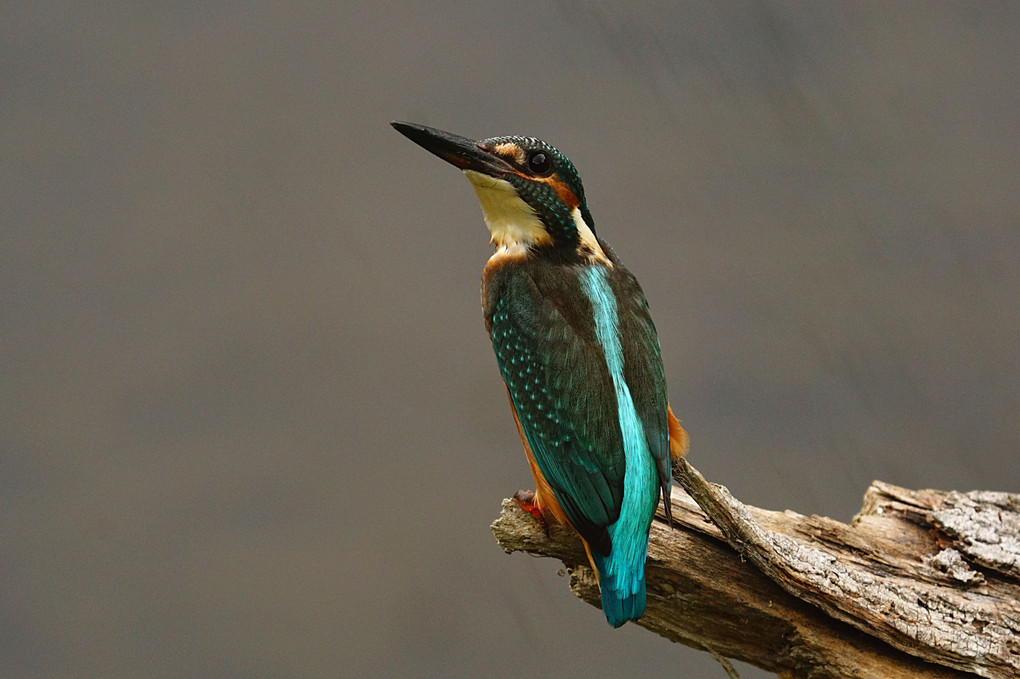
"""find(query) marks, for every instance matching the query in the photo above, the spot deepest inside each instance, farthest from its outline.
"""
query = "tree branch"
(921, 584)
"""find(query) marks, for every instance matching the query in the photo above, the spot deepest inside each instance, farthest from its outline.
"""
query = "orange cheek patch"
(563, 191)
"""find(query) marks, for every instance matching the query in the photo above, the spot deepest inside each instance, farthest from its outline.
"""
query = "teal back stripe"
(626, 564)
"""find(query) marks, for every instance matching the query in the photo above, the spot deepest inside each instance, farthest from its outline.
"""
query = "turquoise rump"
(578, 353)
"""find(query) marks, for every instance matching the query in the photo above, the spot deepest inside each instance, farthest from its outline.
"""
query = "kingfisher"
(578, 353)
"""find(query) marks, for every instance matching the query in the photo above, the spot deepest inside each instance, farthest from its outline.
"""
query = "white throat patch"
(513, 224)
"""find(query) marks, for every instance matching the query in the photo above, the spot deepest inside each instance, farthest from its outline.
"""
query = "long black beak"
(459, 151)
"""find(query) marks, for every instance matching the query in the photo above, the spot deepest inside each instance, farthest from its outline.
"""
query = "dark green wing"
(643, 371)
(540, 323)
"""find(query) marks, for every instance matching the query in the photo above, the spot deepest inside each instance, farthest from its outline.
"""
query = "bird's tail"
(623, 589)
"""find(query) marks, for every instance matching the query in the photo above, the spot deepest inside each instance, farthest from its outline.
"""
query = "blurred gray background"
(250, 422)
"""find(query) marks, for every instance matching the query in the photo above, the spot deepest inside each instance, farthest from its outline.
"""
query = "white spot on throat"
(588, 239)
(514, 226)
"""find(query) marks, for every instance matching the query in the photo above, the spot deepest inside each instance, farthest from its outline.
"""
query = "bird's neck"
(518, 232)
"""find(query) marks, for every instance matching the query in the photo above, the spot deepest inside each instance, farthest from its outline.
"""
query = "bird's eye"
(539, 162)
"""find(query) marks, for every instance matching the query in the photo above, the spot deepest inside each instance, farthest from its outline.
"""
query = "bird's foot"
(529, 503)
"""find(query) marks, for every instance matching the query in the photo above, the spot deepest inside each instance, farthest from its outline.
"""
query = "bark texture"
(920, 584)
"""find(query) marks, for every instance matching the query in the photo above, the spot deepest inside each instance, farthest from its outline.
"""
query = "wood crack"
(920, 584)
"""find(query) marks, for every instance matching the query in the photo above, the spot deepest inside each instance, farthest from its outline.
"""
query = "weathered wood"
(921, 584)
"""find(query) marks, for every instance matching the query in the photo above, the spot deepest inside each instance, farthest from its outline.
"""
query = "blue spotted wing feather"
(556, 373)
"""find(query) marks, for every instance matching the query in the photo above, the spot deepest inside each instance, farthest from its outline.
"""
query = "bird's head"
(531, 195)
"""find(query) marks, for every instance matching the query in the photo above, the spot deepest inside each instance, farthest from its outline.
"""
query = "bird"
(578, 353)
